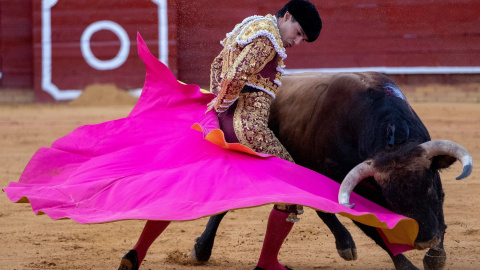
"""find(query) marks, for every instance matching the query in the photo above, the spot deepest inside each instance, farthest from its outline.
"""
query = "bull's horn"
(355, 176)
(449, 148)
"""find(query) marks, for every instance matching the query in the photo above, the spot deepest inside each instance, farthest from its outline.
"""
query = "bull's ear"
(442, 162)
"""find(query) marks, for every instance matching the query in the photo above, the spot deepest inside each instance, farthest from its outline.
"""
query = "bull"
(359, 130)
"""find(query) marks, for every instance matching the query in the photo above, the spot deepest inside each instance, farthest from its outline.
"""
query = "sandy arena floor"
(36, 242)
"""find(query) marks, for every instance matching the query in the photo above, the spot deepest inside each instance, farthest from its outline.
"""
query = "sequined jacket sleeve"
(215, 73)
(251, 60)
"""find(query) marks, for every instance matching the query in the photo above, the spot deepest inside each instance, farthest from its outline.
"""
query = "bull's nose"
(427, 244)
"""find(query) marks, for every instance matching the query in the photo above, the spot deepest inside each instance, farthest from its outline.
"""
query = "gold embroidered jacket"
(253, 55)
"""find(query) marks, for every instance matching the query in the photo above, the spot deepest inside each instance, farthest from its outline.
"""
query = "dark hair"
(280, 13)
(306, 14)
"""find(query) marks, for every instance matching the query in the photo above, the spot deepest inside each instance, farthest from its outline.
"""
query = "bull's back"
(302, 87)
(303, 93)
(318, 116)
(301, 113)
(297, 98)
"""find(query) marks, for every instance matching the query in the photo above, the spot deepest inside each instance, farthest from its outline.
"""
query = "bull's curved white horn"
(449, 148)
(355, 176)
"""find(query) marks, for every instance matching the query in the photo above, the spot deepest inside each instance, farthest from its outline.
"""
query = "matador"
(245, 77)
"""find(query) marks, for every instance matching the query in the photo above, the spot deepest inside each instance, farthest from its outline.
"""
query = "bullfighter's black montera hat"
(307, 16)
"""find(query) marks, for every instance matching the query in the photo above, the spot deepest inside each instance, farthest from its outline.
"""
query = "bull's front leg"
(343, 239)
(202, 250)
(435, 257)
(400, 261)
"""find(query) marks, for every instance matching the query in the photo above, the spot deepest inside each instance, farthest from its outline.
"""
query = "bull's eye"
(391, 134)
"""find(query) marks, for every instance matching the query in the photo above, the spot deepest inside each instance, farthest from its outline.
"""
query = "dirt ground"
(37, 242)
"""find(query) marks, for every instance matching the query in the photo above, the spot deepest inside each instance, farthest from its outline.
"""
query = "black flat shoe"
(129, 261)
(259, 268)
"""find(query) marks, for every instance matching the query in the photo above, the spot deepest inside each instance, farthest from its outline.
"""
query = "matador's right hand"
(211, 105)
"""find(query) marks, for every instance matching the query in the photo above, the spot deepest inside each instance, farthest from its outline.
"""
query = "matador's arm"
(251, 60)
(215, 73)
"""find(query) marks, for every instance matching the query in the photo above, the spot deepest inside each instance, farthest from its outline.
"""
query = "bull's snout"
(427, 244)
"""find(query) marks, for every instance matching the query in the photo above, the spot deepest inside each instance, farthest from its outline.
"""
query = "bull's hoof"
(201, 252)
(434, 259)
(349, 254)
(346, 247)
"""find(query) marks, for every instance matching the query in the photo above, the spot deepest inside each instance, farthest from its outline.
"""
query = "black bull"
(332, 122)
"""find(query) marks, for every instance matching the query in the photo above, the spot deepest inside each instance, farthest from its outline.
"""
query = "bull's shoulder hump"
(357, 81)
(305, 83)
(307, 78)
(341, 81)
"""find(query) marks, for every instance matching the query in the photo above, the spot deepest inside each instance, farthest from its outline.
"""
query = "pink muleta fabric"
(152, 165)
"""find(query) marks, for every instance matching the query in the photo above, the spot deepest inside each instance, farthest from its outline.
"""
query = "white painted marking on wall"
(47, 84)
(51, 88)
(162, 30)
(122, 54)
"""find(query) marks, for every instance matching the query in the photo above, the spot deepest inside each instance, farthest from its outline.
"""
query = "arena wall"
(58, 47)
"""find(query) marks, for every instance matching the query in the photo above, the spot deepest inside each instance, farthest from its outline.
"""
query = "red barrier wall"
(382, 33)
(98, 27)
(388, 33)
(16, 52)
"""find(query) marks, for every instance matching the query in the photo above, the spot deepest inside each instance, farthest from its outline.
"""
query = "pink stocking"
(152, 229)
(277, 230)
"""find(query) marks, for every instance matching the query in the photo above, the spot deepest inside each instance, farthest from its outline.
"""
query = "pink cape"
(152, 165)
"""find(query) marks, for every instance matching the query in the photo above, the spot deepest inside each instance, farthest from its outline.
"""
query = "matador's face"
(290, 31)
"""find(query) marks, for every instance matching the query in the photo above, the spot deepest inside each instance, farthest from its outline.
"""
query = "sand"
(37, 242)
